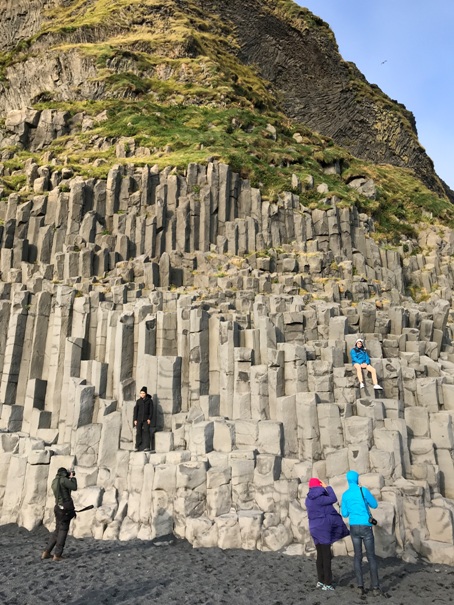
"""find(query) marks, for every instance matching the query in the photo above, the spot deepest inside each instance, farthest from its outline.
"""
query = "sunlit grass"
(170, 79)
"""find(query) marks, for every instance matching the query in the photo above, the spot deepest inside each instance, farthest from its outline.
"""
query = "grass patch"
(170, 79)
(16, 55)
(402, 201)
(298, 16)
(179, 134)
(13, 183)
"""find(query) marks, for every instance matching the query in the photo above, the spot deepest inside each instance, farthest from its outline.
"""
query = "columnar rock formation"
(238, 313)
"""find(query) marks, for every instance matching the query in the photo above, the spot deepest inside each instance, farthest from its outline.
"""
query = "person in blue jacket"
(326, 526)
(355, 503)
(361, 361)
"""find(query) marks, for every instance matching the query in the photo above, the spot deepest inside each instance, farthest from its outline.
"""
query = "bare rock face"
(63, 76)
(34, 130)
(20, 20)
(239, 315)
(319, 88)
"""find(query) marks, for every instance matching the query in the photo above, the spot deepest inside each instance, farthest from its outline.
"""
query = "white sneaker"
(319, 585)
(377, 387)
(361, 385)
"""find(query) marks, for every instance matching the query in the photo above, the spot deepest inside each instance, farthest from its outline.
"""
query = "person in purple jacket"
(326, 526)
(361, 361)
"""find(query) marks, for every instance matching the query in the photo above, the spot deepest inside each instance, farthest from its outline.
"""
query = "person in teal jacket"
(361, 361)
(355, 503)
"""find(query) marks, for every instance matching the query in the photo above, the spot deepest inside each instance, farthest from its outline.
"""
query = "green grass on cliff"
(177, 135)
(297, 16)
(145, 44)
(170, 79)
(403, 201)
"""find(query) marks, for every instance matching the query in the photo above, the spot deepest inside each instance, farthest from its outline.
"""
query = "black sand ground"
(173, 573)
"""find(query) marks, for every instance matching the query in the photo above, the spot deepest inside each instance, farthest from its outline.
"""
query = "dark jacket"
(325, 523)
(62, 486)
(144, 410)
(353, 505)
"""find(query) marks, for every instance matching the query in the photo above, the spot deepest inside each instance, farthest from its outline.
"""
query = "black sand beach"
(173, 573)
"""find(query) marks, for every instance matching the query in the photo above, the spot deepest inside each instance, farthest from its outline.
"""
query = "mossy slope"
(170, 75)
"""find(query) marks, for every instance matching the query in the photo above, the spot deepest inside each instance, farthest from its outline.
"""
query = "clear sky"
(407, 48)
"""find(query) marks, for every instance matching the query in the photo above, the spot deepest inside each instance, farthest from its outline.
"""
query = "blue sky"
(407, 48)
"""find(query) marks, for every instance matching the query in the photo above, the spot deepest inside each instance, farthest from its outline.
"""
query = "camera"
(372, 520)
(71, 472)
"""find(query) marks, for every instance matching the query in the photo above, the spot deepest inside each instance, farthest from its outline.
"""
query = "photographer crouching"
(64, 483)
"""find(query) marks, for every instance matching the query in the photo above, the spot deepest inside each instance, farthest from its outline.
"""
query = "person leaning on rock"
(361, 361)
(62, 486)
(143, 416)
(326, 527)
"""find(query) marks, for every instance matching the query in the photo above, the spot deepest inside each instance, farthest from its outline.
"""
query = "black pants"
(324, 556)
(143, 436)
(58, 537)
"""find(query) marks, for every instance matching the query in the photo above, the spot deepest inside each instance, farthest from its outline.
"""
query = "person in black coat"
(64, 483)
(143, 416)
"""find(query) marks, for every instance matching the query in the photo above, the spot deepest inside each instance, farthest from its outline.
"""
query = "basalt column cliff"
(168, 219)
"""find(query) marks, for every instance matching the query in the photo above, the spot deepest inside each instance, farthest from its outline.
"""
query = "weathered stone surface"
(245, 353)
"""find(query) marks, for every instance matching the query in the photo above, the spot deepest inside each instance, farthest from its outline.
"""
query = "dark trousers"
(324, 557)
(360, 534)
(58, 537)
(143, 436)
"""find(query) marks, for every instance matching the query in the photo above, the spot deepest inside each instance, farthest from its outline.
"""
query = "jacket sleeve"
(367, 360)
(70, 483)
(150, 408)
(354, 356)
(134, 417)
(328, 498)
(344, 507)
(371, 501)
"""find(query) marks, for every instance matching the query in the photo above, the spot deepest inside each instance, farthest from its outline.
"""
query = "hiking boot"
(360, 591)
(57, 558)
(377, 387)
(45, 555)
(328, 587)
(377, 592)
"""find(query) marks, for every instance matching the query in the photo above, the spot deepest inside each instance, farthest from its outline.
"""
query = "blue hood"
(352, 477)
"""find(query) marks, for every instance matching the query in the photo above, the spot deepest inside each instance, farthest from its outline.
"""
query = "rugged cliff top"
(257, 84)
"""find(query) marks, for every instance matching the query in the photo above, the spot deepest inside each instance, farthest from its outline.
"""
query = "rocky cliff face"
(239, 316)
(20, 20)
(319, 88)
(294, 51)
(236, 310)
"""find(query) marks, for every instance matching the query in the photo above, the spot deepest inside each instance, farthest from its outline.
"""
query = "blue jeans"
(360, 534)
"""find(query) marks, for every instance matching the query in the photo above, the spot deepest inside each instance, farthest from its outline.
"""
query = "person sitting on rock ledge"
(361, 361)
